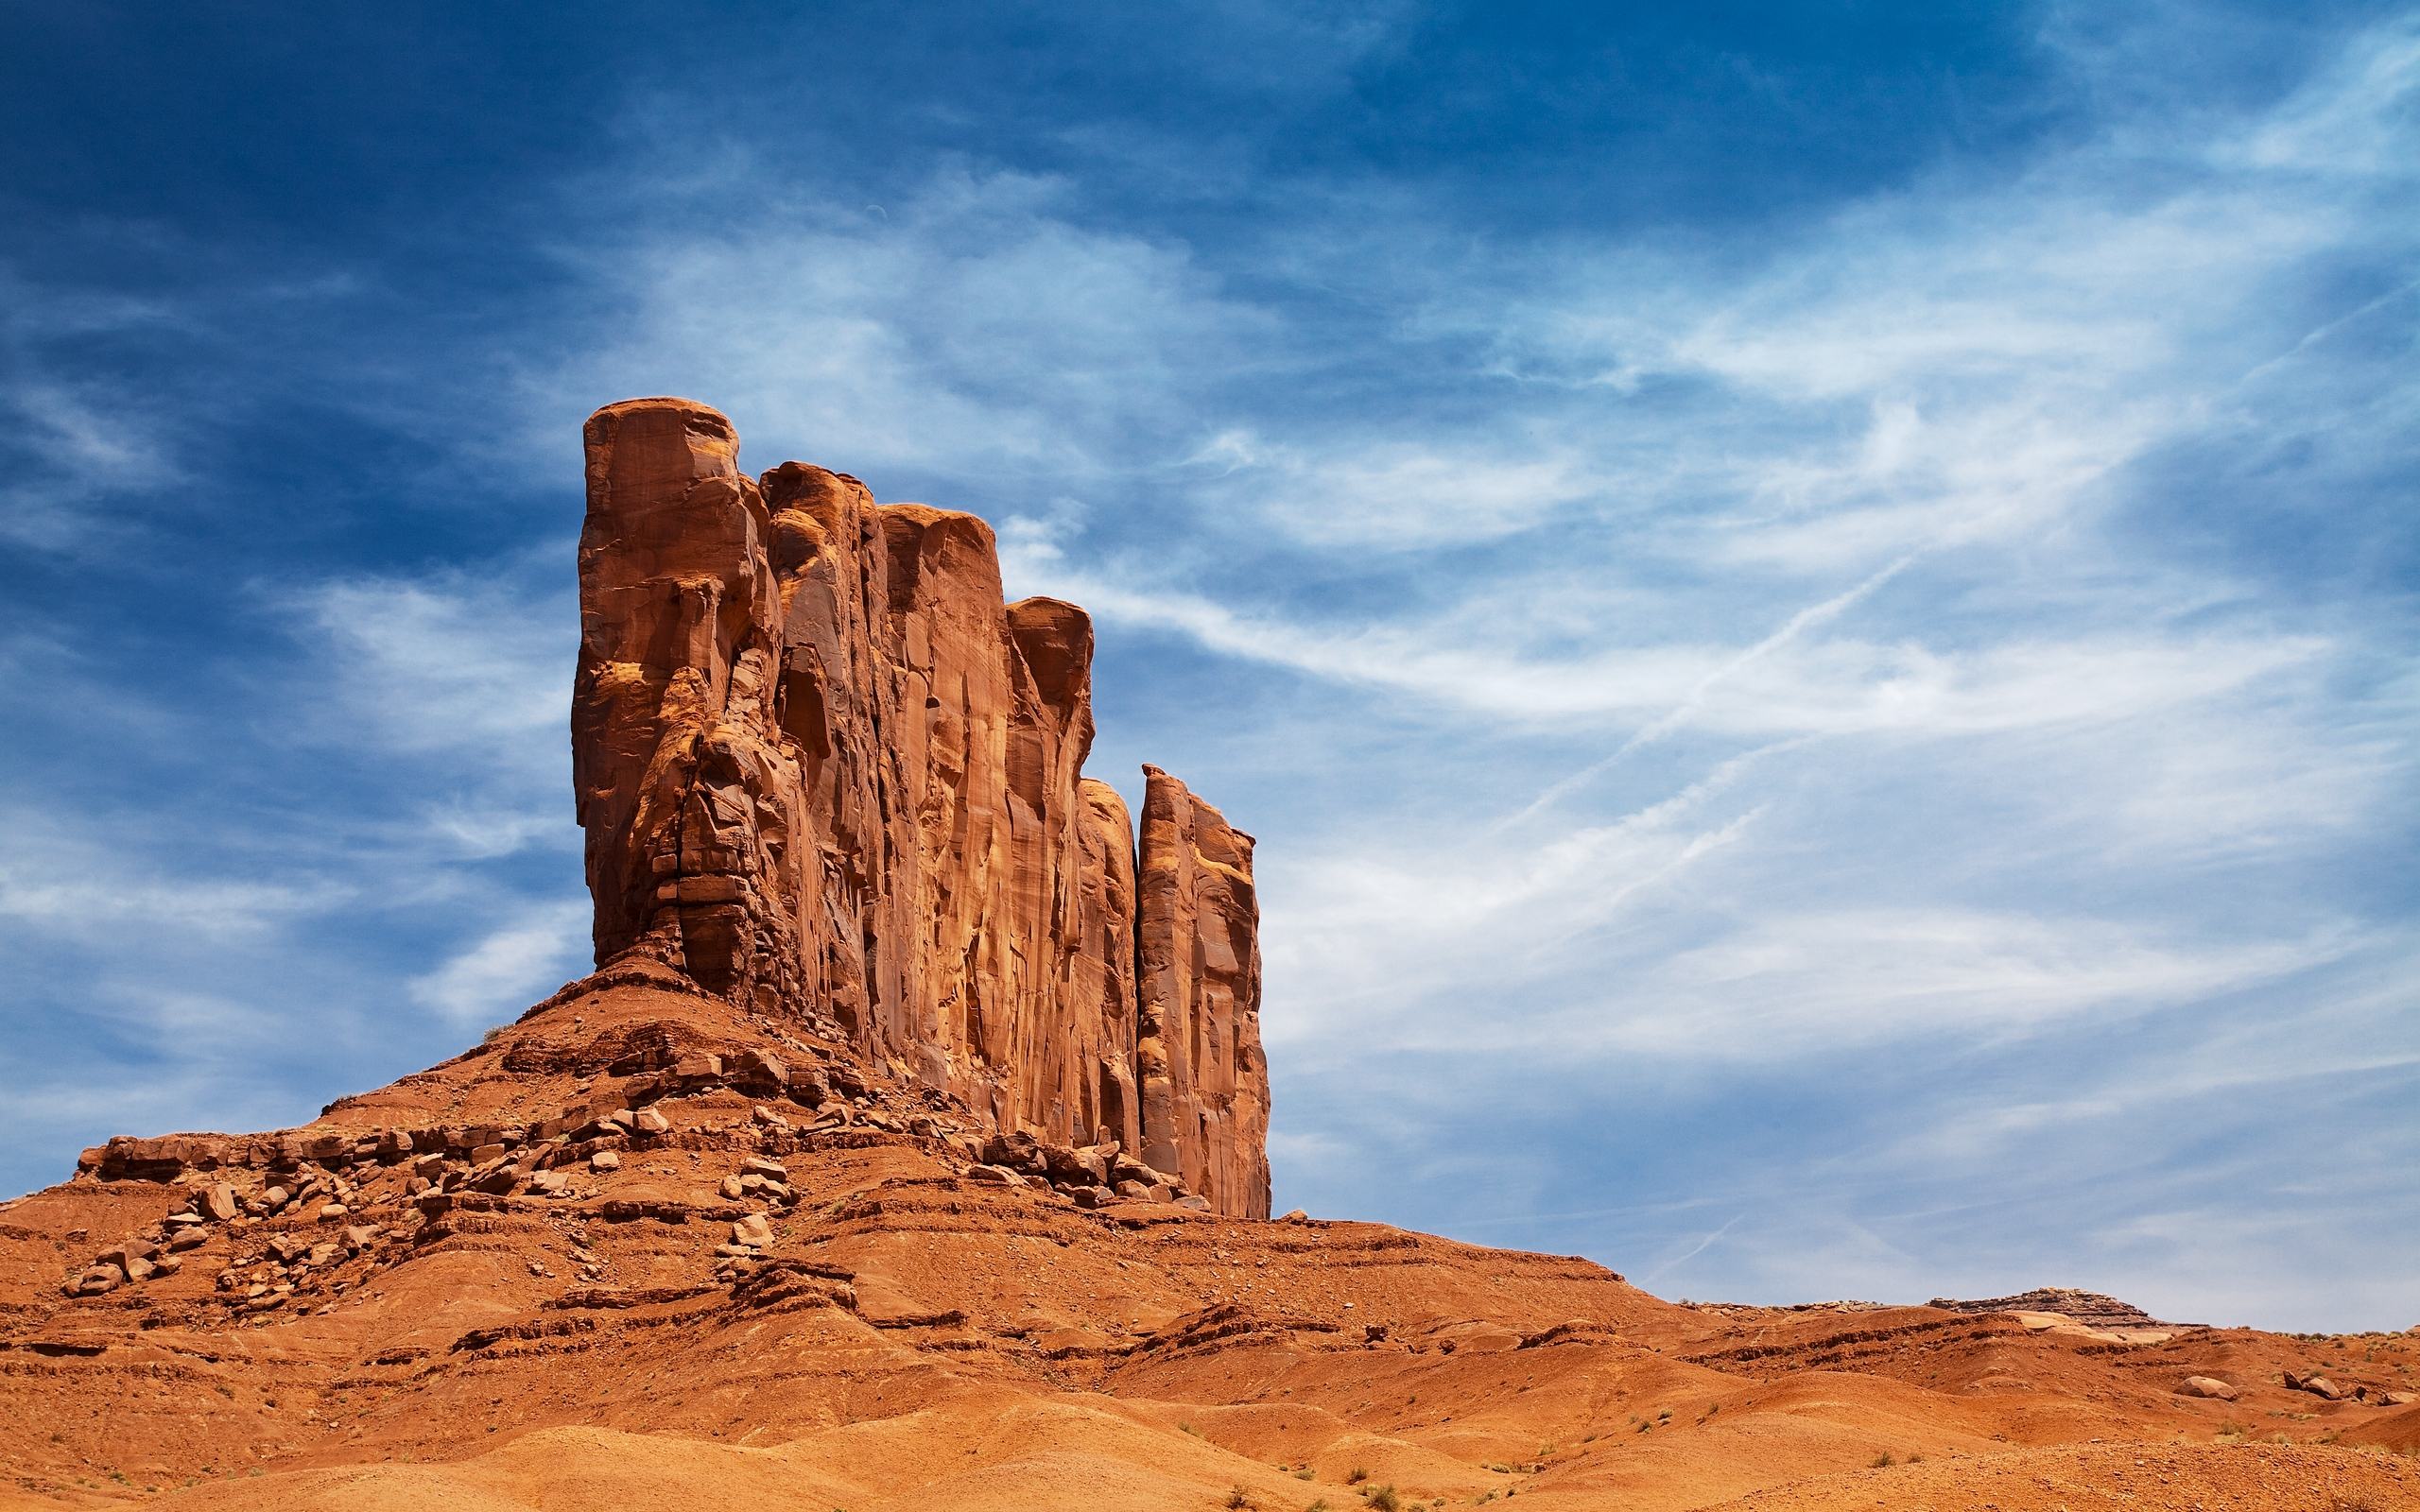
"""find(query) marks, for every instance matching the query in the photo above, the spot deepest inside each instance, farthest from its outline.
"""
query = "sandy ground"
(912, 1338)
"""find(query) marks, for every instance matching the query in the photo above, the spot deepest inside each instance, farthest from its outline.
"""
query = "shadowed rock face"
(826, 772)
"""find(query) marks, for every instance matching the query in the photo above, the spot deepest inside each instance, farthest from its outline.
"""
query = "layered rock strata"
(825, 771)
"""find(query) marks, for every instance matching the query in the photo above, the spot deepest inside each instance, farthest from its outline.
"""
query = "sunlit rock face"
(826, 771)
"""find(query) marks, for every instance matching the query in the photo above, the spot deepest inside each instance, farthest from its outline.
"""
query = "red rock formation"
(1205, 1085)
(825, 771)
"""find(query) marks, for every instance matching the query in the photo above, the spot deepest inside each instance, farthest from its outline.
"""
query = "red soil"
(914, 1338)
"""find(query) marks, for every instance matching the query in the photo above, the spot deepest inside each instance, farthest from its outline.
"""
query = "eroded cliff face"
(1205, 1085)
(825, 770)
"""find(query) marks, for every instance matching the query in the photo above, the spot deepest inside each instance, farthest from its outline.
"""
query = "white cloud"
(972, 325)
(1377, 494)
(1777, 685)
(510, 967)
(469, 666)
(96, 885)
(2350, 120)
(1841, 978)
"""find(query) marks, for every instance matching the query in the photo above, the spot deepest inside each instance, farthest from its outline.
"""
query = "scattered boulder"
(97, 1279)
(605, 1160)
(1016, 1149)
(2317, 1385)
(999, 1174)
(647, 1120)
(759, 1071)
(1088, 1166)
(754, 1230)
(125, 1256)
(2209, 1386)
(808, 1089)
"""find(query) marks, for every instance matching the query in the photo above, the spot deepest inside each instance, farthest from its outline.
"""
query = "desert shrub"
(1356, 1476)
(1883, 1461)
(1383, 1498)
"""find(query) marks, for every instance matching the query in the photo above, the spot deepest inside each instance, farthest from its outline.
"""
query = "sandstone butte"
(906, 1150)
(828, 775)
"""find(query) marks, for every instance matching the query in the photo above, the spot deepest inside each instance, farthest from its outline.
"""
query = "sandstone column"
(1205, 1082)
(672, 701)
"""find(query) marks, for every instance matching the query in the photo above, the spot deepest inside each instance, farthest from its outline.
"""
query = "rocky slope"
(649, 1247)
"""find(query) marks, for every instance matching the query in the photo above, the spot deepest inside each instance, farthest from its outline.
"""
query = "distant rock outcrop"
(2090, 1309)
(827, 773)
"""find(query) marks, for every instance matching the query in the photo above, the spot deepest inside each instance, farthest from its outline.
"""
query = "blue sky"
(1813, 606)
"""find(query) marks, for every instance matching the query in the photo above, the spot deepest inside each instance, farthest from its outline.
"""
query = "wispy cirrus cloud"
(975, 326)
(510, 966)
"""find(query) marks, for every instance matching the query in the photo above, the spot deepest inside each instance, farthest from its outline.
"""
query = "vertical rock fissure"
(883, 762)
